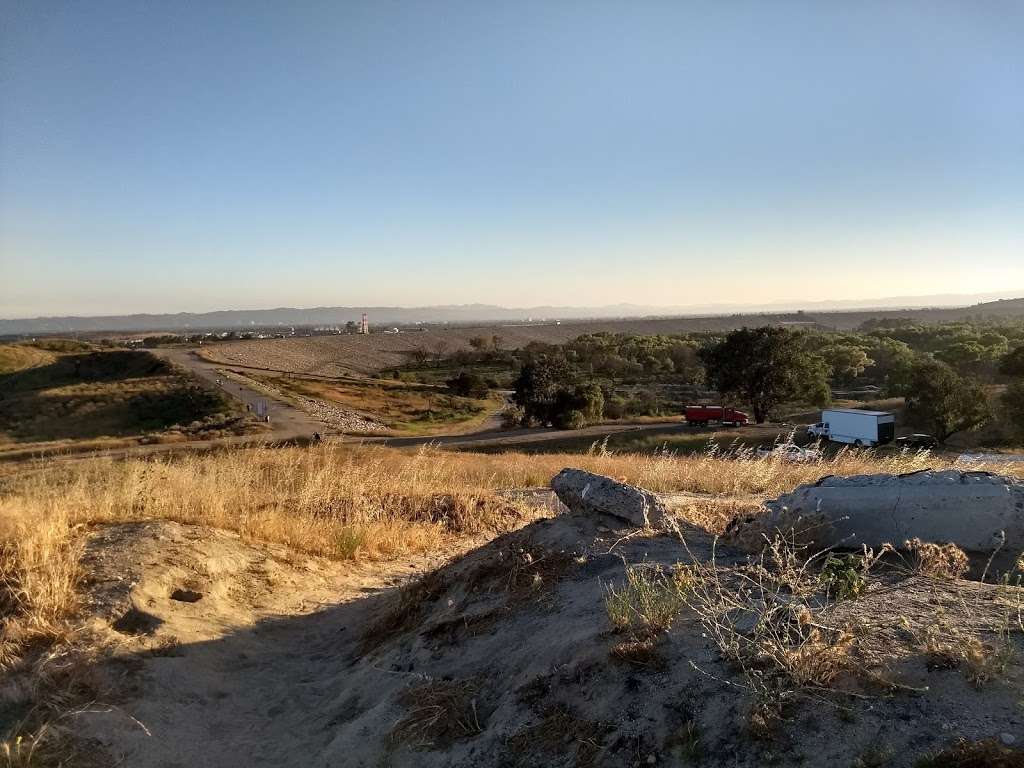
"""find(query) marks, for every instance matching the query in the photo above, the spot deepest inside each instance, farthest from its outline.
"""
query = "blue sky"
(164, 156)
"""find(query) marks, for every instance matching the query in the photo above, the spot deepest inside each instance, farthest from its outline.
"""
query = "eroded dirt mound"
(524, 652)
(209, 643)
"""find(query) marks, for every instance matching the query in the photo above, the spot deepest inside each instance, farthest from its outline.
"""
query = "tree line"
(941, 370)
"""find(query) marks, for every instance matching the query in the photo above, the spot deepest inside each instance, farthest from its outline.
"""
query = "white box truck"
(855, 427)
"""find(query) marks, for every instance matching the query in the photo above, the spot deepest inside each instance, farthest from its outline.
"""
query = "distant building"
(364, 326)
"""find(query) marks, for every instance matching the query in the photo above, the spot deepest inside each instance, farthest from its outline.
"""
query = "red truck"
(702, 415)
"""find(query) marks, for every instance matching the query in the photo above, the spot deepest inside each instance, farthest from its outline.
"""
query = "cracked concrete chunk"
(974, 510)
(586, 493)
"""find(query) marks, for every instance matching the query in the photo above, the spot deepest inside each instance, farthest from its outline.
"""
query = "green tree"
(1013, 405)
(1012, 363)
(589, 400)
(468, 384)
(846, 361)
(577, 407)
(765, 367)
(538, 386)
(894, 364)
(943, 402)
(964, 356)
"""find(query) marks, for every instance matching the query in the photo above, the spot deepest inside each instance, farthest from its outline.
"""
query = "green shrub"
(843, 576)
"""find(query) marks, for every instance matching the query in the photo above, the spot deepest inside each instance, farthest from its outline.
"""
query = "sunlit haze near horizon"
(164, 157)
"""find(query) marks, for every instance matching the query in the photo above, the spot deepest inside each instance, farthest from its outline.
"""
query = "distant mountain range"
(462, 314)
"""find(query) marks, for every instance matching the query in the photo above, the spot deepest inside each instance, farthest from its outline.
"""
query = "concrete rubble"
(585, 493)
(978, 511)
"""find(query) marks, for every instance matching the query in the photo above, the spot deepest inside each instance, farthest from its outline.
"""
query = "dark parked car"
(917, 441)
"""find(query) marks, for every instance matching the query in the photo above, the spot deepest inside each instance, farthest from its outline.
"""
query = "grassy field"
(49, 398)
(694, 441)
(405, 408)
(439, 374)
(18, 357)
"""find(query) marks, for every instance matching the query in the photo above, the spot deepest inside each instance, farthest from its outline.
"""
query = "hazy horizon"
(167, 158)
(628, 309)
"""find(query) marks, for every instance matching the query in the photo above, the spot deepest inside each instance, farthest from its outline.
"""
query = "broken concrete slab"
(586, 493)
(978, 511)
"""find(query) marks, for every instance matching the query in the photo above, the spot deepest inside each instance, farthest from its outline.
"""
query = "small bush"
(650, 599)
(974, 754)
(947, 646)
(571, 419)
(940, 561)
(842, 576)
(512, 416)
(439, 713)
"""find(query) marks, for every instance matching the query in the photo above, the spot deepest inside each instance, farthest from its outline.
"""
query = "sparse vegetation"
(439, 713)
(987, 753)
(650, 599)
(942, 561)
(764, 618)
(365, 503)
(559, 733)
(401, 406)
(85, 396)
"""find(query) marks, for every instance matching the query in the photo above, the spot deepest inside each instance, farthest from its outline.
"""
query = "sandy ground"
(219, 642)
(223, 653)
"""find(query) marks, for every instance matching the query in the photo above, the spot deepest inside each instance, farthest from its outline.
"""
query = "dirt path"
(286, 421)
(222, 639)
(289, 423)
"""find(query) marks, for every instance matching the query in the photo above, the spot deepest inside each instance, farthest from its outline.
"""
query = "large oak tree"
(943, 402)
(765, 367)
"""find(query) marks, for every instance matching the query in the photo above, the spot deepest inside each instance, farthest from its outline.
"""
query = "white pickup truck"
(855, 427)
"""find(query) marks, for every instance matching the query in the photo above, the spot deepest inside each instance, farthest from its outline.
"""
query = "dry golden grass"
(940, 561)
(413, 409)
(18, 357)
(334, 501)
(651, 598)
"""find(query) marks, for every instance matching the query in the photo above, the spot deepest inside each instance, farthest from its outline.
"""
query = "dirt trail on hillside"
(224, 643)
